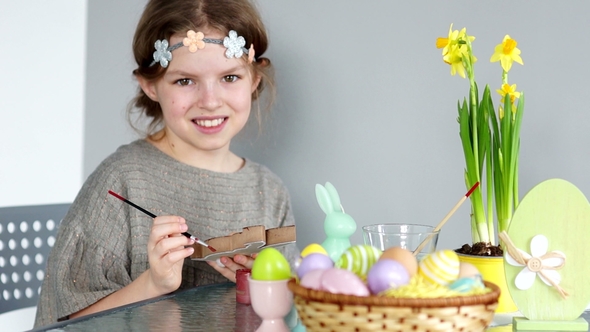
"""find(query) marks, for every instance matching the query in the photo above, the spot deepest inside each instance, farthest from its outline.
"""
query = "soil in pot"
(480, 249)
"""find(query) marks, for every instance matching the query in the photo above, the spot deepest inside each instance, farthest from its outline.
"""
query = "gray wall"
(365, 101)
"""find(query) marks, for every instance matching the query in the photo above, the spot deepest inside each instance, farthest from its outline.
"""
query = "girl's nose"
(209, 97)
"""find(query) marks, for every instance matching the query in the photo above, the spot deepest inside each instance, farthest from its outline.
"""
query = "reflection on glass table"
(205, 308)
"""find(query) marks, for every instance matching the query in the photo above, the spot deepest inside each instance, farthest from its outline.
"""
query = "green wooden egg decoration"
(551, 228)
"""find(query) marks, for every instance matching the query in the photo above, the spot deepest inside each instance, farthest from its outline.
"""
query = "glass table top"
(206, 308)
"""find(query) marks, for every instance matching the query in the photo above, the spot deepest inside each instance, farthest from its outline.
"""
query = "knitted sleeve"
(89, 260)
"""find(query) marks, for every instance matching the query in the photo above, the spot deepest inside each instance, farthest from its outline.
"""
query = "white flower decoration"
(234, 44)
(162, 54)
(538, 262)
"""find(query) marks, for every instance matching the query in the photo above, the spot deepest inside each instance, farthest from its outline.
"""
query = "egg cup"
(272, 301)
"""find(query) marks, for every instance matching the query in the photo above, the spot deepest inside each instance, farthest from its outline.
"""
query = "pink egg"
(386, 274)
(312, 262)
(340, 281)
(312, 279)
(467, 270)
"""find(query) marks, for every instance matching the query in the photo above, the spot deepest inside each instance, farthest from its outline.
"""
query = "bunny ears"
(328, 198)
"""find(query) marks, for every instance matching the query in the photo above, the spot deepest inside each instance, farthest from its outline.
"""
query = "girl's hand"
(232, 265)
(166, 253)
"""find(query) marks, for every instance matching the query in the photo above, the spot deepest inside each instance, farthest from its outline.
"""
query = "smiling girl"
(200, 67)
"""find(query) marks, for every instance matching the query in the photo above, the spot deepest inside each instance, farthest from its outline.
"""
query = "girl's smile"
(210, 125)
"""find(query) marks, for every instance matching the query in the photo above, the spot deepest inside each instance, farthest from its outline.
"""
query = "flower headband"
(195, 41)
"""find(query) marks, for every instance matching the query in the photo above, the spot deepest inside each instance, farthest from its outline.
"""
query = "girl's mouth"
(209, 123)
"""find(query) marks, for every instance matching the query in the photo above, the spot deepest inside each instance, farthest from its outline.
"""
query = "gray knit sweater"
(101, 243)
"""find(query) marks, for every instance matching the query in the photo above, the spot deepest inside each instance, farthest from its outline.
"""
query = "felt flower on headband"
(162, 54)
(194, 41)
(234, 44)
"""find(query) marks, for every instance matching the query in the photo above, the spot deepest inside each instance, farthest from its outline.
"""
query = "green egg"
(269, 265)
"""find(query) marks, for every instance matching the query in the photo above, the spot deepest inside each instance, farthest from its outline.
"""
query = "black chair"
(27, 234)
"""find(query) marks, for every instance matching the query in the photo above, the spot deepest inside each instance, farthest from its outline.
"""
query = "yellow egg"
(440, 267)
(402, 256)
(313, 248)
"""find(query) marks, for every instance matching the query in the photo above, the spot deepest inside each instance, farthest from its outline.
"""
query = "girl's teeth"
(210, 123)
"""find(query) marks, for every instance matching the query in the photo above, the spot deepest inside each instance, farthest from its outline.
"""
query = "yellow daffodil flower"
(510, 90)
(448, 42)
(455, 59)
(455, 38)
(455, 49)
(506, 53)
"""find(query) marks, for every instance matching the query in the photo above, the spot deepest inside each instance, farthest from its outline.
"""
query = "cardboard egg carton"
(250, 240)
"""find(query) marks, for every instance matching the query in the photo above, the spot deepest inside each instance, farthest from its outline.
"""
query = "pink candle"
(242, 288)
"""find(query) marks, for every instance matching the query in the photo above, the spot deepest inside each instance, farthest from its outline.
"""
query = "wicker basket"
(323, 311)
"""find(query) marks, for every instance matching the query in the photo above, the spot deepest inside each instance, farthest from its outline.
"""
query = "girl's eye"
(230, 78)
(184, 82)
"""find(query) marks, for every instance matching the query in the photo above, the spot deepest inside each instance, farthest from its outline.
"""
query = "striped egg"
(440, 267)
(359, 259)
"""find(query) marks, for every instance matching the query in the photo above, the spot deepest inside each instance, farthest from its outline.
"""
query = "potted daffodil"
(490, 140)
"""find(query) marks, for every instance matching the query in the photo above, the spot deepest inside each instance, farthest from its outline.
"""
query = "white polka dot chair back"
(27, 234)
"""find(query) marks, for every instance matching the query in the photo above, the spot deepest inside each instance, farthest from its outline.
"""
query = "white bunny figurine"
(338, 225)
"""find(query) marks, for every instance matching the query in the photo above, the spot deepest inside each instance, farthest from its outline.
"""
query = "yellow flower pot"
(492, 270)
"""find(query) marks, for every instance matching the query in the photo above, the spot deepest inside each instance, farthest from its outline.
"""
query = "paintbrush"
(154, 216)
(442, 222)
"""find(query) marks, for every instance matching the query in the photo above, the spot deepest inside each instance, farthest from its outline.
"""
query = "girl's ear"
(148, 87)
(255, 83)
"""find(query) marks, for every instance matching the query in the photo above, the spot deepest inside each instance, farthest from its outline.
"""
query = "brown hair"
(163, 18)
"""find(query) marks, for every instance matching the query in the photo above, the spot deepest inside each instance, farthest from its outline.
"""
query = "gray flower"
(234, 45)
(162, 54)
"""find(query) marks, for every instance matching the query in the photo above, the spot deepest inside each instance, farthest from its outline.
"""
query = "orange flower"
(194, 41)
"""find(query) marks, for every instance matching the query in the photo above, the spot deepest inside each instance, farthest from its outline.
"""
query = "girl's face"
(205, 98)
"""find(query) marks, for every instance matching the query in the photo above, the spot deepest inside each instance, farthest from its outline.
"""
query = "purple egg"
(312, 262)
(386, 274)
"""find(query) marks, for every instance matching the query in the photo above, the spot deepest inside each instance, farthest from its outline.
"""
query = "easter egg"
(440, 267)
(359, 259)
(339, 281)
(386, 274)
(313, 262)
(270, 264)
(312, 279)
(464, 285)
(313, 248)
(404, 256)
(467, 270)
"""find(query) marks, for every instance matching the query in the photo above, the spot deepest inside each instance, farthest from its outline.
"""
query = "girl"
(200, 66)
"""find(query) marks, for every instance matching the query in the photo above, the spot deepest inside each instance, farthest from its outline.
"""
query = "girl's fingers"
(232, 265)
(169, 219)
(244, 261)
(168, 229)
(224, 271)
(171, 244)
(179, 254)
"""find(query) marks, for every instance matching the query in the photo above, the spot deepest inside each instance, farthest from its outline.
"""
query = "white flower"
(539, 262)
(234, 45)
(162, 54)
